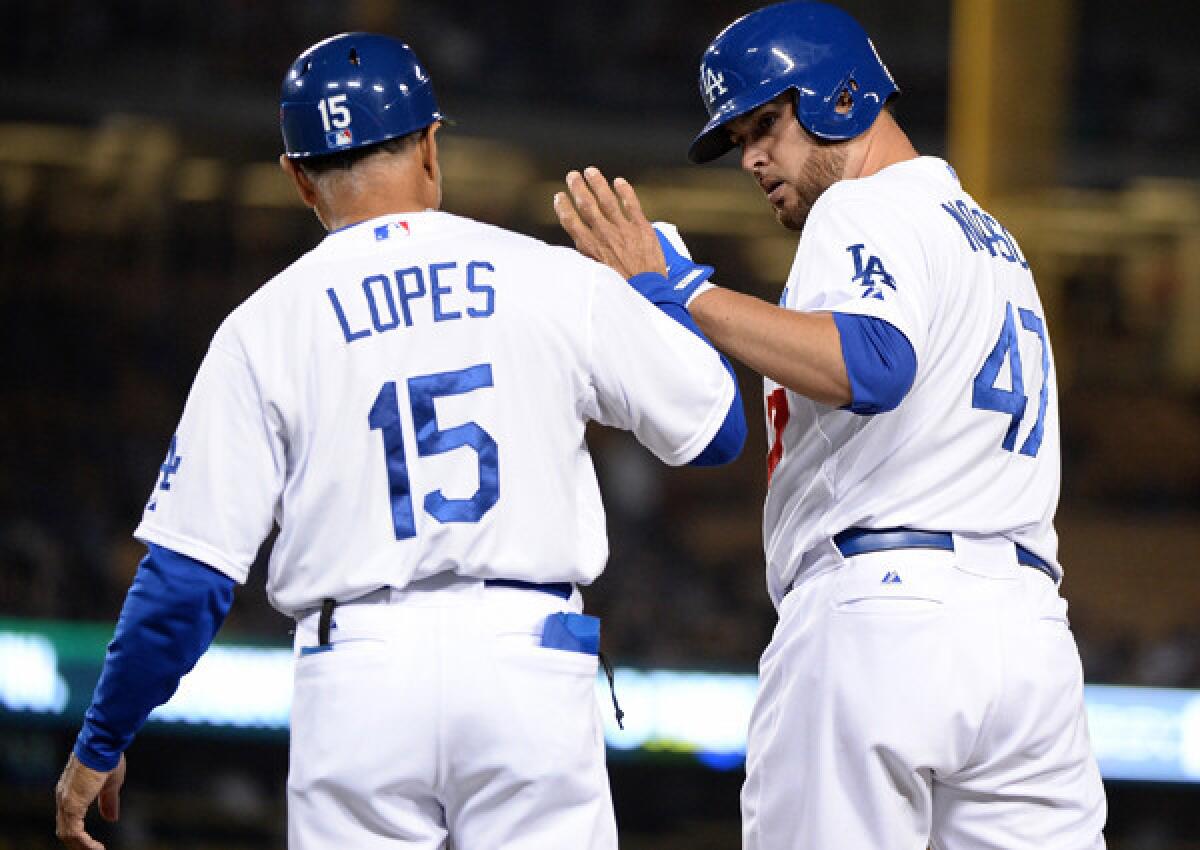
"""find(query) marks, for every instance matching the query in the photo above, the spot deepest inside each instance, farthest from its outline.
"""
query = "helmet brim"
(711, 143)
(713, 140)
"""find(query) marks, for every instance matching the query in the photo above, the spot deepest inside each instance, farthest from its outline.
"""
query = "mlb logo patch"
(339, 138)
(384, 231)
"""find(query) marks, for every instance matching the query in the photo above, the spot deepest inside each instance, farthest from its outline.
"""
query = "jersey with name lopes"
(409, 398)
(974, 447)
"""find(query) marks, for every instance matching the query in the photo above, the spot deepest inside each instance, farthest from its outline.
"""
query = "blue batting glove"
(685, 279)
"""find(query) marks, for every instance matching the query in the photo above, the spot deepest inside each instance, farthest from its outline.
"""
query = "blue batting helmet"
(353, 90)
(814, 49)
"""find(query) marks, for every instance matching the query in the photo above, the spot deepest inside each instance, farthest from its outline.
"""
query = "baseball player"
(407, 402)
(922, 686)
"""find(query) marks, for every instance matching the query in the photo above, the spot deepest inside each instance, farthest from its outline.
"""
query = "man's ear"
(429, 144)
(301, 180)
(428, 151)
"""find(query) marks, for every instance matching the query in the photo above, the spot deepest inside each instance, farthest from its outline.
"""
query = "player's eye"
(758, 127)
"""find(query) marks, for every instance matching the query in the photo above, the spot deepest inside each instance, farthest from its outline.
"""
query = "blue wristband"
(683, 278)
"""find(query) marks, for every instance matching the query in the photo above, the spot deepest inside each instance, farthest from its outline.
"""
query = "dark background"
(140, 203)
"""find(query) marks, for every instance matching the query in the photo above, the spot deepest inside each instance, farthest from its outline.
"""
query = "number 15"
(433, 440)
(334, 113)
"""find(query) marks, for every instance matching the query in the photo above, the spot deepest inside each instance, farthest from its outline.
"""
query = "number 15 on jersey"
(386, 416)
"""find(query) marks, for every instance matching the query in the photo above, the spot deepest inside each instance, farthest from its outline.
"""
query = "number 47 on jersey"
(987, 396)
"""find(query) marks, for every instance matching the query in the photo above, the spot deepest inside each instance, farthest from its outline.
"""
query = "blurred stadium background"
(140, 201)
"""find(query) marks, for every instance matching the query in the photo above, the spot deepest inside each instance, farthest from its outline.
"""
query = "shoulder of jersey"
(512, 240)
(539, 253)
(894, 191)
(267, 298)
(868, 189)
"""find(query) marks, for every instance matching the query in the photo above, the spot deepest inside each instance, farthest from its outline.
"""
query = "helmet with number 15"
(353, 90)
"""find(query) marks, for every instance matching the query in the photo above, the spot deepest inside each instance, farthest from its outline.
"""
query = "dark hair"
(344, 161)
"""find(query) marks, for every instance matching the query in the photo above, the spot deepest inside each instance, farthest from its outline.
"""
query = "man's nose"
(753, 158)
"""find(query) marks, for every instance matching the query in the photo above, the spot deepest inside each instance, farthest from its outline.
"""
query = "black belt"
(860, 541)
(561, 589)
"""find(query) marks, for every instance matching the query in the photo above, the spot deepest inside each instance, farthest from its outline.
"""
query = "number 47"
(987, 396)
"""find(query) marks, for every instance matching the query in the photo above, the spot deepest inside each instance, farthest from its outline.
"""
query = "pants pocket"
(896, 582)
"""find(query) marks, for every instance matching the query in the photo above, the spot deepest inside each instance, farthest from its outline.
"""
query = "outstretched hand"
(78, 786)
(607, 223)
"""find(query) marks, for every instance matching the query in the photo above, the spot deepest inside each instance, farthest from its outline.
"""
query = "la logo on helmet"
(714, 84)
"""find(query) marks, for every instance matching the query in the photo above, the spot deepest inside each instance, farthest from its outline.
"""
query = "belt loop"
(326, 621)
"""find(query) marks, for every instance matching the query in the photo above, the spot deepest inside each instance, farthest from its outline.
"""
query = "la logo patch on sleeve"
(169, 467)
(871, 275)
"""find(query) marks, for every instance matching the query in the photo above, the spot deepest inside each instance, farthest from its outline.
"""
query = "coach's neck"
(408, 180)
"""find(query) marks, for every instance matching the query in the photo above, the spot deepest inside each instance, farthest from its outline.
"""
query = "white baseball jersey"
(973, 448)
(409, 398)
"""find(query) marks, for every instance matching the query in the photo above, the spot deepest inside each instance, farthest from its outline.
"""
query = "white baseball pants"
(438, 720)
(942, 707)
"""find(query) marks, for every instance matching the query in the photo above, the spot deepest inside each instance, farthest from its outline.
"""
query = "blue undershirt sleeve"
(173, 610)
(880, 363)
(727, 443)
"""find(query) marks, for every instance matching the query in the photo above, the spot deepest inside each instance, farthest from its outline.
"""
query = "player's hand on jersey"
(78, 786)
(607, 223)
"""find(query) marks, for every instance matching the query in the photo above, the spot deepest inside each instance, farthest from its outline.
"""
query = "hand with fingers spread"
(607, 223)
(78, 786)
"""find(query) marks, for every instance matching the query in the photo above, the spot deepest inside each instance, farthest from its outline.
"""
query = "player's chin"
(790, 217)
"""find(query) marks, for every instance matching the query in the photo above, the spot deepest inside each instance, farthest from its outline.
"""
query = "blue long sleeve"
(880, 362)
(727, 443)
(171, 614)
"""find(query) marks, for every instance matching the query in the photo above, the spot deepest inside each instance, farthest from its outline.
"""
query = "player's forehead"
(779, 103)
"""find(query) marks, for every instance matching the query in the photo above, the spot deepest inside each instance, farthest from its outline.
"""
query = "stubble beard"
(821, 170)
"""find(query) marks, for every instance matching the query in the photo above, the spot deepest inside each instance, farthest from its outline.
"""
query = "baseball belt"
(561, 589)
(860, 541)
